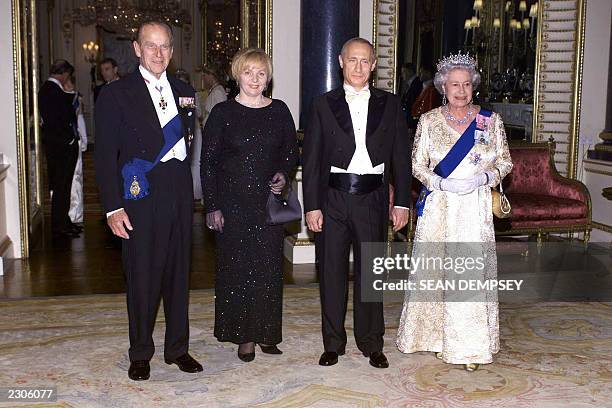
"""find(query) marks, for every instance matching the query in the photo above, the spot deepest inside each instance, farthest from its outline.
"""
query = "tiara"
(456, 59)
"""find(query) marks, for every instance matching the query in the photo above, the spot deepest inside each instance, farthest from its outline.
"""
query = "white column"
(286, 29)
(299, 247)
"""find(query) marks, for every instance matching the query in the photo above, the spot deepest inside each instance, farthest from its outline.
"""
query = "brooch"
(482, 122)
(187, 102)
(135, 187)
(482, 137)
(475, 158)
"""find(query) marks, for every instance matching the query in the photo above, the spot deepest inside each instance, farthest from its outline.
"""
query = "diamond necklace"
(250, 105)
(449, 116)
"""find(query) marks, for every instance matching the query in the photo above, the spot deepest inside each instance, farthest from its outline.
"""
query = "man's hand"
(278, 183)
(314, 220)
(399, 216)
(215, 220)
(118, 222)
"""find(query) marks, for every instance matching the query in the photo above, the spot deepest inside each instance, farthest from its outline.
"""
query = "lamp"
(497, 23)
(533, 13)
(90, 51)
(467, 26)
(526, 23)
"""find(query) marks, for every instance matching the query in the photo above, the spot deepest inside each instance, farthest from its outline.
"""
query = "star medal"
(135, 187)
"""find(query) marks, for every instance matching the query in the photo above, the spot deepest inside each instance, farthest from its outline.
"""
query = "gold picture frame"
(27, 120)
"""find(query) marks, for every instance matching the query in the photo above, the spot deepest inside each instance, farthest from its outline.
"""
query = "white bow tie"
(362, 95)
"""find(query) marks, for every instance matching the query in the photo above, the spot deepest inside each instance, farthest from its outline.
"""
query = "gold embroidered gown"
(465, 332)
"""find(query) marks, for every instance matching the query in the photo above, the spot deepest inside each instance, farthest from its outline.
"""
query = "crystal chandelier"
(125, 16)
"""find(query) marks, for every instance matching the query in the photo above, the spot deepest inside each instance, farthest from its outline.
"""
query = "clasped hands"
(462, 186)
(215, 220)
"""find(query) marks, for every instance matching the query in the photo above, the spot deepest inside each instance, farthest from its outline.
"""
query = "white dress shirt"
(358, 107)
(158, 89)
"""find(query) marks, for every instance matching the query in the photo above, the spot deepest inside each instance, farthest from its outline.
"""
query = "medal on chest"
(163, 104)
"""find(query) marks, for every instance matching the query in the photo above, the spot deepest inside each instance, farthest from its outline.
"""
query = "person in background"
(61, 142)
(429, 97)
(215, 93)
(411, 89)
(249, 148)
(110, 73)
(76, 193)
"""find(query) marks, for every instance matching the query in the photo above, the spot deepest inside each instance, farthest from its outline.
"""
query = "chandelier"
(125, 16)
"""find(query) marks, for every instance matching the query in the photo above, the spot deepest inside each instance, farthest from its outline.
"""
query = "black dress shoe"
(329, 358)
(246, 357)
(270, 349)
(67, 233)
(75, 228)
(378, 359)
(186, 363)
(139, 370)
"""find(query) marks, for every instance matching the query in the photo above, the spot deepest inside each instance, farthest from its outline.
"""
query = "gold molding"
(19, 125)
(602, 172)
(268, 28)
(377, 39)
(244, 23)
(536, 88)
(5, 244)
(602, 226)
(577, 98)
(35, 112)
(375, 26)
(203, 33)
(574, 85)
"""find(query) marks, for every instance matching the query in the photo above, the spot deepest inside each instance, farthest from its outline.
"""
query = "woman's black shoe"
(246, 357)
(270, 349)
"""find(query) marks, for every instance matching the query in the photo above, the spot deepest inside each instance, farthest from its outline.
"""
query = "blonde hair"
(249, 57)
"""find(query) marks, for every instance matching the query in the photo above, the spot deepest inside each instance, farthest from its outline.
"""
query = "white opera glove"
(465, 186)
(459, 186)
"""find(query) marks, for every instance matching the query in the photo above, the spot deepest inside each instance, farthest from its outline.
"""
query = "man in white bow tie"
(355, 139)
(144, 123)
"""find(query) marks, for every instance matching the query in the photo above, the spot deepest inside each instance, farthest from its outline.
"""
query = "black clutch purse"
(281, 210)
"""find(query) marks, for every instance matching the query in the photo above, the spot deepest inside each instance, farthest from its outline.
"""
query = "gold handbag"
(501, 205)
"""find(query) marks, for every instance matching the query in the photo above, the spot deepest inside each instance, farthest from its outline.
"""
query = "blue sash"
(135, 183)
(452, 159)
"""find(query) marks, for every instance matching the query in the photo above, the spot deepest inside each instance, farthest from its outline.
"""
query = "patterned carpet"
(553, 355)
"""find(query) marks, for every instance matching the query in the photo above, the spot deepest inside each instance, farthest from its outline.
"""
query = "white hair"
(442, 75)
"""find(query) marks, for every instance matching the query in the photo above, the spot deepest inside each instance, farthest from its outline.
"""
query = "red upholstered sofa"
(543, 201)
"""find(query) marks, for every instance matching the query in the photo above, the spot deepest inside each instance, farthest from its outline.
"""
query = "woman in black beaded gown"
(249, 148)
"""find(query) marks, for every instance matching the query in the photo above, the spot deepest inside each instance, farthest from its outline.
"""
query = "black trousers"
(61, 161)
(156, 260)
(349, 220)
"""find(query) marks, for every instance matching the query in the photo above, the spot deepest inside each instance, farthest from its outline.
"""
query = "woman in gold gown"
(457, 194)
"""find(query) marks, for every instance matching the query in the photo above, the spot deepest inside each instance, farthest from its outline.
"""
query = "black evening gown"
(242, 149)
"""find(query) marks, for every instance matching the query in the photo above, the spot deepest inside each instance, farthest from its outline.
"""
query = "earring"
(444, 99)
